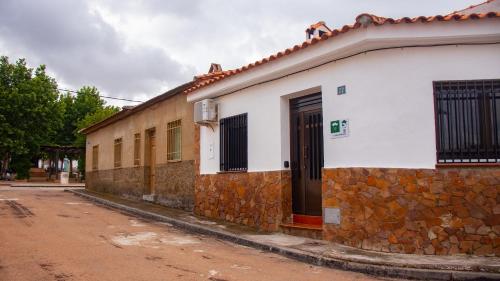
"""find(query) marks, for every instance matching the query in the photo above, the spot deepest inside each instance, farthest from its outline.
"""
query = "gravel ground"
(47, 234)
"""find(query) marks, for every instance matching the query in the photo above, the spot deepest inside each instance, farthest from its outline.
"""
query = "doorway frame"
(150, 161)
(293, 138)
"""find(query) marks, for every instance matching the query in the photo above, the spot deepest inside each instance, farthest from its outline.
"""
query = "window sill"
(232, 172)
(466, 165)
(174, 161)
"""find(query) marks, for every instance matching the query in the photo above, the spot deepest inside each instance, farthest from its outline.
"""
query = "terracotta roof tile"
(204, 80)
(471, 7)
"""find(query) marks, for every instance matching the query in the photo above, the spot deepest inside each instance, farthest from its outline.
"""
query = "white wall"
(389, 103)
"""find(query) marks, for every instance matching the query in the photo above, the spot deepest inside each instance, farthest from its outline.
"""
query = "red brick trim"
(310, 220)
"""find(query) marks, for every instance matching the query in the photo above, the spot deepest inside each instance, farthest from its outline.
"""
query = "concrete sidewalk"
(40, 184)
(318, 252)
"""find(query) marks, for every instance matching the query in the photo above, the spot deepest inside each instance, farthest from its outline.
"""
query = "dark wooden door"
(306, 125)
(150, 161)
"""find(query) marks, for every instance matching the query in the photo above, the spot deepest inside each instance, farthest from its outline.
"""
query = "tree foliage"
(89, 120)
(82, 110)
(34, 113)
(86, 102)
(30, 111)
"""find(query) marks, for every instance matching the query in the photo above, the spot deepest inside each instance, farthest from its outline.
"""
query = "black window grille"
(234, 143)
(468, 121)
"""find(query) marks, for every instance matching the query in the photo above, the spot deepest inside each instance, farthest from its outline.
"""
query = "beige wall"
(156, 116)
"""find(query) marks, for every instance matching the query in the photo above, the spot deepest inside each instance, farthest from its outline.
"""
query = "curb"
(371, 269)
(47, 186)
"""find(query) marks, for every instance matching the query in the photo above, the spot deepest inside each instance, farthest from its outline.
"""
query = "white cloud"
(138, 49)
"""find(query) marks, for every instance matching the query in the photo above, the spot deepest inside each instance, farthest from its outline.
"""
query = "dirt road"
(53, 235)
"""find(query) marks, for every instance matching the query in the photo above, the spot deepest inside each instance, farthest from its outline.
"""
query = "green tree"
(30, 111)
(65, 135)
(86, 102)
(89, 120)
(81, 110)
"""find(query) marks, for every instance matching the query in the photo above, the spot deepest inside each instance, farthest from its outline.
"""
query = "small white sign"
(339, 128)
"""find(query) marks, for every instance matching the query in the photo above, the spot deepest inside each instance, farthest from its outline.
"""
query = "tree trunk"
(5, 164)
(70, 167)
(50, 167)
(57, 165)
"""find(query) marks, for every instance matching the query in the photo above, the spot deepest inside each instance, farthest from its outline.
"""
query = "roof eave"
(358, 40)
(125, 113)
(362, 21)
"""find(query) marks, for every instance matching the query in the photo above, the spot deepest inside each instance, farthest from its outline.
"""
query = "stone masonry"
(257, 199)
(174, 183)
(127, 182)
(442, 211)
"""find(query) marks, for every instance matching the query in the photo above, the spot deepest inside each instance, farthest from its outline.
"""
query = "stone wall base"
(127, 182)
(174, 183)
(257, 199)
(441, 211)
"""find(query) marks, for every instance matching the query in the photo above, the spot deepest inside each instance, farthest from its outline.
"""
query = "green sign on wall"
(339, 128)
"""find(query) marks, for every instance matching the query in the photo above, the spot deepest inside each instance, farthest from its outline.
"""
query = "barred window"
(95, 157)
(174, 140)
(468, 121)
(118, 153)
(234, 143)
(137, 149)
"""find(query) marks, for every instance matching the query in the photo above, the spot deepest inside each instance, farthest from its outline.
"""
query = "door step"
(149, 197)
(302, 229)
(37, 179)
(305, 226)
(305, 219)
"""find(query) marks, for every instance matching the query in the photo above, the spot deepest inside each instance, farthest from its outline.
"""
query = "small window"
(95, 157)
(174, 140)
(118, 153)
(137, 149)
(233, 143)
(467, 121)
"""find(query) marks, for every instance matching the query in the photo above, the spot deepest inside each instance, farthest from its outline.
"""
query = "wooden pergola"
(59, 152)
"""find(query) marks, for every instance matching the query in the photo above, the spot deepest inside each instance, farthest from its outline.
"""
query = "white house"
(383, 135)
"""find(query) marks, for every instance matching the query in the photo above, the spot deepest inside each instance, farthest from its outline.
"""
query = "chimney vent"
(215, 67)
(317, 30)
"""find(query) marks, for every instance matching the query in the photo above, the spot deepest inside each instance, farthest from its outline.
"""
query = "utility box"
(205, 112)
(64, 177)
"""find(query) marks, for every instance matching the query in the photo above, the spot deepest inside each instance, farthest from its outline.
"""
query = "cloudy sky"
(137, 49)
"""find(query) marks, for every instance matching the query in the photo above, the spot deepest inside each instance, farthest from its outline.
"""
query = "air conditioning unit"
(205, 112)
